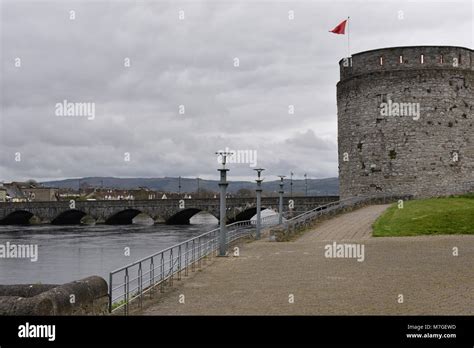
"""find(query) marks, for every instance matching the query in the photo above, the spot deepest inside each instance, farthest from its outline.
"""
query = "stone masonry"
(387, 144)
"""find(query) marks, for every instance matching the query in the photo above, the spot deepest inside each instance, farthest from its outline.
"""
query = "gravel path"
(267, 276)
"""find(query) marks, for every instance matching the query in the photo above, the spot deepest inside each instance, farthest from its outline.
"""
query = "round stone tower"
(405, 121)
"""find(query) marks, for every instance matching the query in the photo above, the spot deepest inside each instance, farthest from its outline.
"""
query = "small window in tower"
(459, 60)
(381, 60)
(441, 59)
(382, 98)
(422, 59)
(401, 59)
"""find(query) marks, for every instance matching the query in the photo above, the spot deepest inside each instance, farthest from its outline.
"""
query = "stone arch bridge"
(170, 211)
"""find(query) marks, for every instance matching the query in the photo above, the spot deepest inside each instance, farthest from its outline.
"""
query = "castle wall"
(426, 153)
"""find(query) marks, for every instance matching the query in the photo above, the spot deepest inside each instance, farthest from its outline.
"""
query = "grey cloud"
(190, 62)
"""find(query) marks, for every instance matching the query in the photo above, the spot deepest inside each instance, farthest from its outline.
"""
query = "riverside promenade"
(267, 276)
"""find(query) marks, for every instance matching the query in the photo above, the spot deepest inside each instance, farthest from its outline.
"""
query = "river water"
(67, 253)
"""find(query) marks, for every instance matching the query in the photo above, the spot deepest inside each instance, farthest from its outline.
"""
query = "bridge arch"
(18, 217)
(246, 214)
(123, 217)
(183, 216)
(69, 217)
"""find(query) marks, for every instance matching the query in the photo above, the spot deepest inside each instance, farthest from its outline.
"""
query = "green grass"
(117, 304)
(450, 215)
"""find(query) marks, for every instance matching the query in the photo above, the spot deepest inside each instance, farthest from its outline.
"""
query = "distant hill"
(329, 186)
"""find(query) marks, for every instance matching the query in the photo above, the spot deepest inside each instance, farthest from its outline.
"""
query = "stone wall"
(159, 210)
(425, 155)
(87, 296)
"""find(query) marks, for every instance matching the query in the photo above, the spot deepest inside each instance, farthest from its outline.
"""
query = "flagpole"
(348, 38)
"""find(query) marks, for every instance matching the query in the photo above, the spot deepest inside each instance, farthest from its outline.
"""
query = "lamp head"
(224, 155)
(259, 171)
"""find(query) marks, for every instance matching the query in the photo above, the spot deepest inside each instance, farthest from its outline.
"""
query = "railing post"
(215, 244)
(126, 288)
(171, 267)
(179, 262)
(152, 276)
(199, 253)
(110, 292)
(140, 283)
(206, 251)
(162, 266)
(186, 260)
(193, 261)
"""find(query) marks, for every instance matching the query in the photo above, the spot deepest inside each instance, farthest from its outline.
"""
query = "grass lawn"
(450, 215)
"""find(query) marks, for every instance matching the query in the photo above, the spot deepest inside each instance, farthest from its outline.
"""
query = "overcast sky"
(190, 62)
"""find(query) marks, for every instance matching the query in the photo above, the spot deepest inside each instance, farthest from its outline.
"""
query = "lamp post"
(291, 184)
(259, 201)
(198, 187)
(305, 184)
(179, 186)
(222, 207)
(280, 207)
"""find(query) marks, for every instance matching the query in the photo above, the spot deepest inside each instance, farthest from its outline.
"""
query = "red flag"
(340, 29)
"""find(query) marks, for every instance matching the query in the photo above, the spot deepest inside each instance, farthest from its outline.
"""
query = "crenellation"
(406, 58)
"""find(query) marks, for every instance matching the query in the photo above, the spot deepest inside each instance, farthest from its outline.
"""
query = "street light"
(305, 184)
(222, 209)
(259, 200)
(198, 187)
(280, 207)
(291, 184)
(179, 186)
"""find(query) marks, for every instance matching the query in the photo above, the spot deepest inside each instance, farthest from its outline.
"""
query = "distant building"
(109, 194)
(68, 194)
(14, 193)
(41, 194)
(30, 192)
(3, 194)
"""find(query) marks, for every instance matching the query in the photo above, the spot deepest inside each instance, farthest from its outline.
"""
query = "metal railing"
(132, 282)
